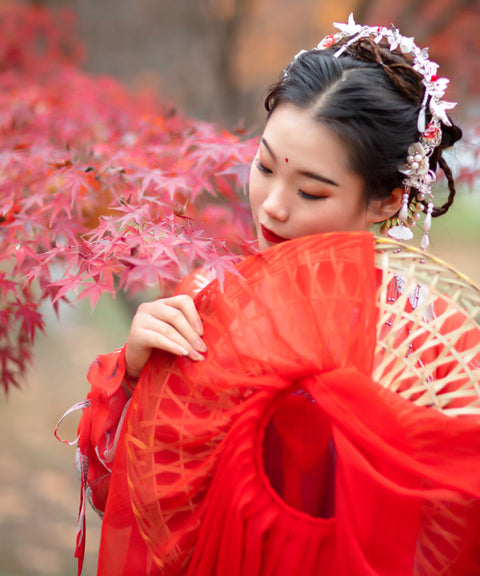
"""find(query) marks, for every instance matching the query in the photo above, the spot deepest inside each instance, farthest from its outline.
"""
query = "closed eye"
(310, 196)
(261, 167)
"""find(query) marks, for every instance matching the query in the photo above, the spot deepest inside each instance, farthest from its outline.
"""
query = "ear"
(380, 210)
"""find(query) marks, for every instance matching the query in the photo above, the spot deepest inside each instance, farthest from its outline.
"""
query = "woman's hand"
(170, 324)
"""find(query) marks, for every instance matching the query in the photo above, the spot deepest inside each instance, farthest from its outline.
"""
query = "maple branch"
(101, 190)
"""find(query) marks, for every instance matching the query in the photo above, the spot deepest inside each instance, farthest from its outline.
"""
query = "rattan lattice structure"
(438, 313)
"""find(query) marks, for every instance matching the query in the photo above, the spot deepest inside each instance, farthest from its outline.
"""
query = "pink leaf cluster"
(101, 189)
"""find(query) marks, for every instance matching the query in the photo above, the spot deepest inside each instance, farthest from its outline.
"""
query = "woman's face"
(301, 182)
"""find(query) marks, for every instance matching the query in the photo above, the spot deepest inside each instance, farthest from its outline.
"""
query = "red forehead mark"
(286, 159)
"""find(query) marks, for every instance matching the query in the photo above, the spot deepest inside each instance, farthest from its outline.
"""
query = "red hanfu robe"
(279, 454)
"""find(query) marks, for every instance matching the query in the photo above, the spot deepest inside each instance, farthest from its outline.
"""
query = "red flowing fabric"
(278, 454)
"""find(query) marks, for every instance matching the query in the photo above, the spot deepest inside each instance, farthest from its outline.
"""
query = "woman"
(246, 461)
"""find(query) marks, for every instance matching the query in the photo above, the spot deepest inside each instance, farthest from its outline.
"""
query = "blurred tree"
(226, 20)
(215, 57)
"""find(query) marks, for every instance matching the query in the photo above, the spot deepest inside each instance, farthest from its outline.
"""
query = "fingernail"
(182, 352)
(199, 327)
(196, 356)
(200, 345)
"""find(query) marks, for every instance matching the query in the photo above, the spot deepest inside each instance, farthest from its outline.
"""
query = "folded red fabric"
(278, 454)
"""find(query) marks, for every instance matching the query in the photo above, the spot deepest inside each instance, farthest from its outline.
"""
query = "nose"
(275, 204)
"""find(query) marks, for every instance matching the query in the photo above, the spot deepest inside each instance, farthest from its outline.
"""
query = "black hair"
(370, 97)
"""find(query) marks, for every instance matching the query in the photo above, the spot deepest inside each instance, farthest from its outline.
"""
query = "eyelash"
(306, 196)
(261, 167)
(302, 194)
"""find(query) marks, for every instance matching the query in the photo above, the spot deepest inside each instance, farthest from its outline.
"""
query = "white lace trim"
(78, 406)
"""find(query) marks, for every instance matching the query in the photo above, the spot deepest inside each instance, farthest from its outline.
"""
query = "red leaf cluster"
(100, 189)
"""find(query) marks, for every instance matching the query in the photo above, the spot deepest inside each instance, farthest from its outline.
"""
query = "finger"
(176, 331)
(181, 333)
(140, 344)
(172, 341)
(187, 306)
(171, 317)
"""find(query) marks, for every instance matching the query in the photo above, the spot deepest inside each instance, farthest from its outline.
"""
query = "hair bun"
(450, 135)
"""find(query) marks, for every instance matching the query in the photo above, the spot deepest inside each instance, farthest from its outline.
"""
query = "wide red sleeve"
(98, 433)
(103, 415)
(98, 429)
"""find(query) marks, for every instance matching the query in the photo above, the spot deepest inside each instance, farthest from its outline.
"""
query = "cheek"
(356, 218)
(254, 190)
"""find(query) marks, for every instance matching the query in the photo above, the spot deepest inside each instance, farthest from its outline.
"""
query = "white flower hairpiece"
(435, 87)
(418, 175)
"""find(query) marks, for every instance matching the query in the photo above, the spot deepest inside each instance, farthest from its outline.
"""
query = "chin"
(263, 244)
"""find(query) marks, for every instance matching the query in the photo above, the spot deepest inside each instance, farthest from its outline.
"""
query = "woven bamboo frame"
(450, 380)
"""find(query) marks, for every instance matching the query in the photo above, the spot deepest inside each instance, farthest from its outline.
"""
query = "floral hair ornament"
(417, 168)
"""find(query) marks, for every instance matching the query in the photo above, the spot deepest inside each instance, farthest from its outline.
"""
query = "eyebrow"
(306, 173)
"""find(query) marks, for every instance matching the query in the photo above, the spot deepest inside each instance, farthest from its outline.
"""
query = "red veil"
(278, 454)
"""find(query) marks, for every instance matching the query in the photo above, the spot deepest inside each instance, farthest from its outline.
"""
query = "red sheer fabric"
(98, 431)
(102, 418)
(278, 454)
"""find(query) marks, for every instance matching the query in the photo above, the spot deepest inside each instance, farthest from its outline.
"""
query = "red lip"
(271, 236)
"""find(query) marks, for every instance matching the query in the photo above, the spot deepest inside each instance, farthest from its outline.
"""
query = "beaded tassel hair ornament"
(419, 176)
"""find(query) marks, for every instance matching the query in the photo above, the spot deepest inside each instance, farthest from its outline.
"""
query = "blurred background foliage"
(213, 59)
